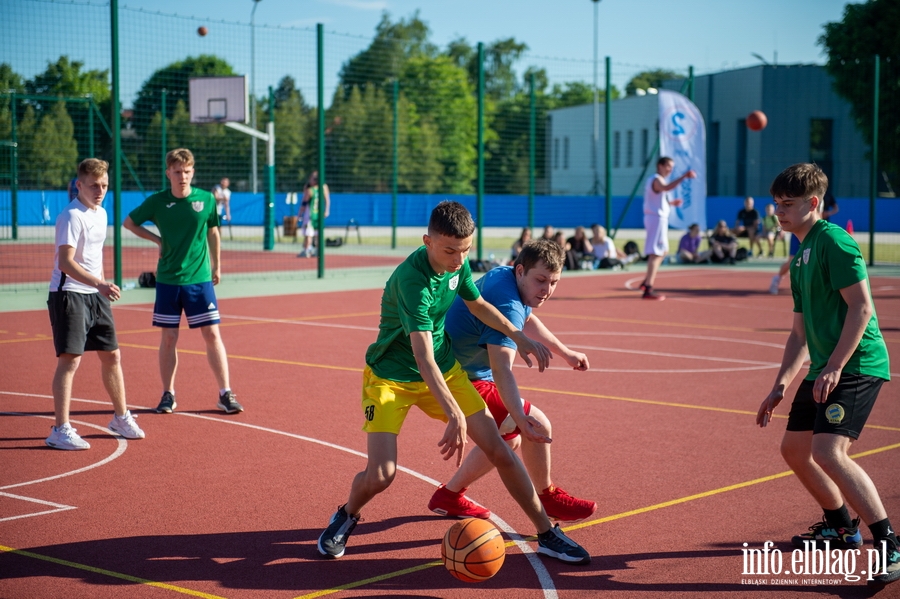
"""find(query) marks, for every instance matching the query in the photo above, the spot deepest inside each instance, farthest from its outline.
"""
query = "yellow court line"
(250, 358)
(678, 405)
(603, 520)
(360, 583)
(144, 581)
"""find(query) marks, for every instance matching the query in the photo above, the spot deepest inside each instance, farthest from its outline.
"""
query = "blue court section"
(374, 209)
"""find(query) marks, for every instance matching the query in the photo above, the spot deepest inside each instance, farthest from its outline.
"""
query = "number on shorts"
(370, 413)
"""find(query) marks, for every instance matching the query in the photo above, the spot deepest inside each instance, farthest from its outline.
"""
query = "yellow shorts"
(386, 403)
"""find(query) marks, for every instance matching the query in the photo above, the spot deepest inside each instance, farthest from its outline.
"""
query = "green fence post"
(163, 135)
(532, 146)
(320, 34)
(396, 165)
(873, 187)
(117, 143)
(608, 134)
(691, 83)
(90, 111)
(14, 180)
(269, 209)
(480, 194)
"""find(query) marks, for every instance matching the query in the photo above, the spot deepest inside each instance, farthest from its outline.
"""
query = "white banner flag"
(682, 137)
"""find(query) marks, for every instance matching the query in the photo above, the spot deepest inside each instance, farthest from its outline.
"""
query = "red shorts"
(491, 396)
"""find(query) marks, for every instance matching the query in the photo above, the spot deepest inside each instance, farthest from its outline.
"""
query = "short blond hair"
(92, 166)
(180, 156)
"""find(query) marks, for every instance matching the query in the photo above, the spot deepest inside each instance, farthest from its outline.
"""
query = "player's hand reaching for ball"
(454, 440)
(768, 406)
(526, 346)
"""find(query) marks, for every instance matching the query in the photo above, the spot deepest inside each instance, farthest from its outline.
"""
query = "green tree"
(394, 44)
(294, 130)
(442, 95)
(868, 29)
(66, 78)
(48, 154)
(174, 79)
(9, 81)
(647, 79)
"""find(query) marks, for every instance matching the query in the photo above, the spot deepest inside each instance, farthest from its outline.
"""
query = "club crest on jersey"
(454, 281)
(834, 413)
(806, 255)
(197, 206)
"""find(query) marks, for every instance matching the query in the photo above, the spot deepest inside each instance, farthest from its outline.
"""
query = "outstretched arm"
(535, 329)
(791, 362)
(659, 187)
(502, 359)
(454, 439)
(492, 317)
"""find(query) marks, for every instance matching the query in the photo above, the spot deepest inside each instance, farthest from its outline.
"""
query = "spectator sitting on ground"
(772, 229)
(548, 233)
(605, 253)
(524, 238)
(747, 225)
(724, 244)
(580, 245)
(689, 247)
(571, 263)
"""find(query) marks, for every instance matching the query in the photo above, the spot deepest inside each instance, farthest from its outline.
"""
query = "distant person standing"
(80, 311)
(223, 199)
(189, 266)
(657, 205)
(310, 210)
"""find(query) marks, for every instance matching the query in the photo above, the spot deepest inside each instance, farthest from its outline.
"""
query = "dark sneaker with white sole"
(167, 404)
(838, 538)
(334, 538)
(556, 544)
(228, 402)
(890, 564)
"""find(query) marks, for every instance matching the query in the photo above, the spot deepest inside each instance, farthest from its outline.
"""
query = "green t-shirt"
(829, 260)
(183, 224)
(416, 299)
(770, 223)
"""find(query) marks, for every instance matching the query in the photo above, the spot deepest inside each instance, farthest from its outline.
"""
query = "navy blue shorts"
(844, 412)
(197, 301)
(795, 245)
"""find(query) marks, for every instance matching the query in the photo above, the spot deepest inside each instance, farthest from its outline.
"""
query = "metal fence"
(403, 126)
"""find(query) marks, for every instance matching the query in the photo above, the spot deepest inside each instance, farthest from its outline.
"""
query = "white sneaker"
(773, 286)
(65, 437)
(126, 426)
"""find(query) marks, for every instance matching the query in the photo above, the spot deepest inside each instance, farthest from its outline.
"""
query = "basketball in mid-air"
(757, 121)
(202, 31)
(473, 550)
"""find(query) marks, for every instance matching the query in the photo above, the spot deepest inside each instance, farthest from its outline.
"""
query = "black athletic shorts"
(81, 322)
(844, 412)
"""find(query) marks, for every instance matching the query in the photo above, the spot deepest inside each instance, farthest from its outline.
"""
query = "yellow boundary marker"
(110, 573)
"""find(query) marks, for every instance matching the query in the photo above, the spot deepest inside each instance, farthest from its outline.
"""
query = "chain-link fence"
(401, 132)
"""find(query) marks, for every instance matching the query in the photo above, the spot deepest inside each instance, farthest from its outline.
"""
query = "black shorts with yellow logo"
(844, 413)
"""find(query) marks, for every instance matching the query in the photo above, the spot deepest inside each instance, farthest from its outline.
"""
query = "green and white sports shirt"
(416, 299)
(829, 260)
(183, 224)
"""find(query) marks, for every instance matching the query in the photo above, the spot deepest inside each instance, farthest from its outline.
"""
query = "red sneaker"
(455, 505)
(559, 505)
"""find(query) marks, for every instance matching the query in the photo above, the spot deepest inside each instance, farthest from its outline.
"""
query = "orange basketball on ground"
(473, 550)
(757, 121)
(201, 31)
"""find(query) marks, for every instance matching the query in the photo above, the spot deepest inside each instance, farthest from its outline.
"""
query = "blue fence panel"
(413, 210)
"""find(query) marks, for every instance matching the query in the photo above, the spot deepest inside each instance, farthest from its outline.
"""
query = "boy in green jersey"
(411, 363)
(835, 321)
(188, 267)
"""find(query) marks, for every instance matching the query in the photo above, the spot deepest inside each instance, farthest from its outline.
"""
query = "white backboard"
(218, 99)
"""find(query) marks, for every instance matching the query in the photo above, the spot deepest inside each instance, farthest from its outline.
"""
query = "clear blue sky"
(710, 35)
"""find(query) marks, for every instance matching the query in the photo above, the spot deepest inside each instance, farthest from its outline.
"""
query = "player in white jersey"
(657, 202)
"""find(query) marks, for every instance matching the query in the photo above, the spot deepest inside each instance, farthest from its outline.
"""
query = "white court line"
(59, 507)
(676, 336)
(543, 575)
(273, 320)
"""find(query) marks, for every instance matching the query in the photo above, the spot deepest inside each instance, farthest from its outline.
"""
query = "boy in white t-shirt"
(79, 305)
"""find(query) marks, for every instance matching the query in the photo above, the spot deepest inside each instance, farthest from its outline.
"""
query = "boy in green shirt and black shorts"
(189, 244)
(834, 319)
(411, 363)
